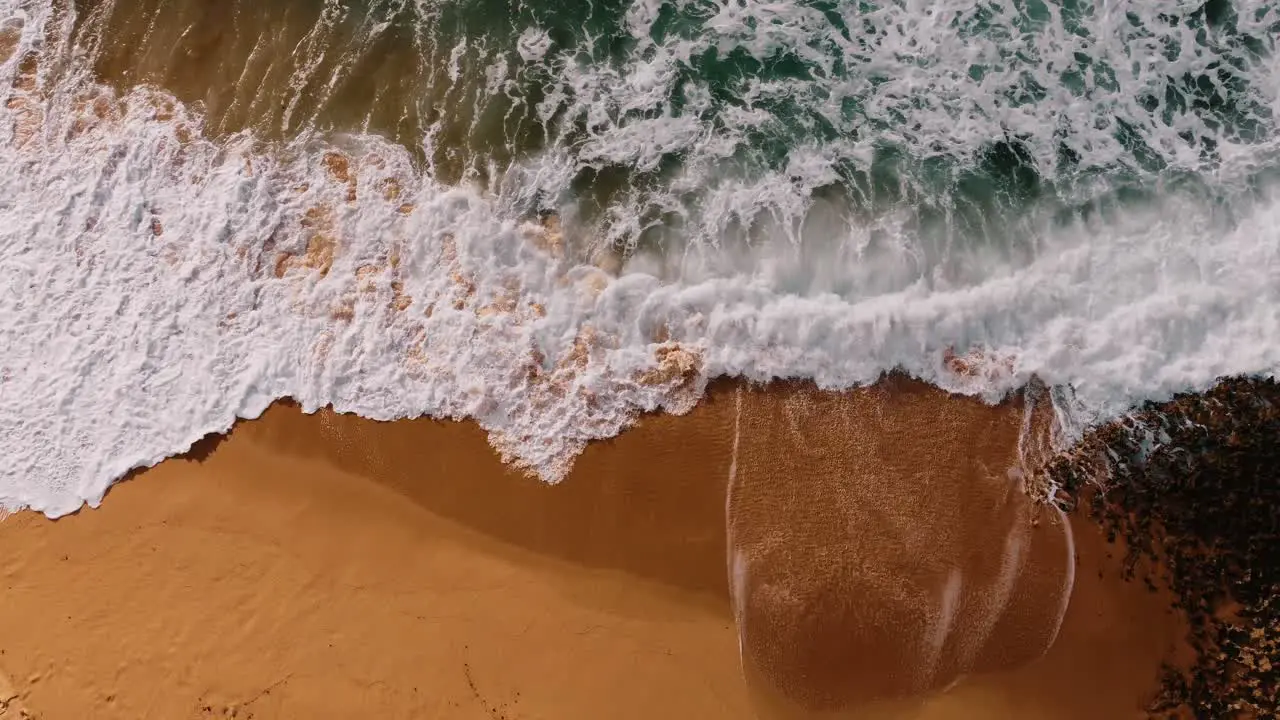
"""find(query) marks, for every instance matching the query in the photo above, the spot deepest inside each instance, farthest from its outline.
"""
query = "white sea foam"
(156, 285)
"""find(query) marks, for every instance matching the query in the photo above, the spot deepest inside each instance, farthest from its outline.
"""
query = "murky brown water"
(284, 68)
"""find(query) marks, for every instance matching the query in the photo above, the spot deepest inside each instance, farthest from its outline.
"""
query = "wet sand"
(882, 543)
(328, 566)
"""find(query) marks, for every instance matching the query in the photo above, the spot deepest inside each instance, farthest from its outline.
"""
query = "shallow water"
(549, 217)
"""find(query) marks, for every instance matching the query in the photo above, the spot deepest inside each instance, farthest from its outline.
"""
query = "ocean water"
(549, 217)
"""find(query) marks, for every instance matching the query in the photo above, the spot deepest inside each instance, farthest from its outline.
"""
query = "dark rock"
(1193, 485)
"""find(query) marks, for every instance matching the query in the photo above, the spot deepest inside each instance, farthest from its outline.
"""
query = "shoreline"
(275, 202)
(243, 560)
(328, 284)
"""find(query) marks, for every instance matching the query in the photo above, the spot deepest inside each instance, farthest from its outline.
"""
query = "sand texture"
(899, 551)
(11, 706)
(316, 566)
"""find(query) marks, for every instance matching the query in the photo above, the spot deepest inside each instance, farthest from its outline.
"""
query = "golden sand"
(11, 705)
(314, 566)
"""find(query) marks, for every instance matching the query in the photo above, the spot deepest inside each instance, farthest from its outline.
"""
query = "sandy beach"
(329, 566)
(545, 219)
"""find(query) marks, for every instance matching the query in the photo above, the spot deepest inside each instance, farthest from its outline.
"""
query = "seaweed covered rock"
(1194, 485)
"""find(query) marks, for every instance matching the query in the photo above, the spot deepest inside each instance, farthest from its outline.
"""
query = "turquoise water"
(972, 115)
(704, 119)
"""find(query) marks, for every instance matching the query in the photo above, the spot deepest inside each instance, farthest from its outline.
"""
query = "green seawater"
(716, 120)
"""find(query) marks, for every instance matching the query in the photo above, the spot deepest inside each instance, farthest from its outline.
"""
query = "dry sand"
(11, 706)
(315, 566)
